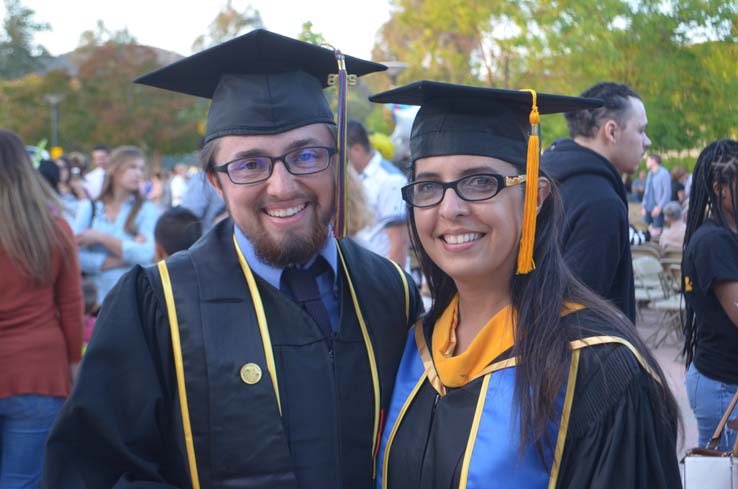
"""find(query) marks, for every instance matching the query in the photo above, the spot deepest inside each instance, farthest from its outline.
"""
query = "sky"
(174, 24)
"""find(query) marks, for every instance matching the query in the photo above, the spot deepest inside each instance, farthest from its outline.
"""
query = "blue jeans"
(25, 422)
(709, 399)
(658, 222)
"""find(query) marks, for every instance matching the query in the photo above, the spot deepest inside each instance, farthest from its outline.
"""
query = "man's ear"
(610, 131)
(213, 179)
(544, 191)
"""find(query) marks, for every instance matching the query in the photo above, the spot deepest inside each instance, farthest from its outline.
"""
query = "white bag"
(709, 471)
(707, 468)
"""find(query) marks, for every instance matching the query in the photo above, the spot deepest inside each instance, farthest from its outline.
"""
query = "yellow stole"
(495, 337)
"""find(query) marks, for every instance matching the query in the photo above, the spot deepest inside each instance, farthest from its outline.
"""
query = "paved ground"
(668, 356)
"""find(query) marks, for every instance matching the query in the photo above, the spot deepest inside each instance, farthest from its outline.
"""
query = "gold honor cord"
(268, 353)
(396, 426)
(601, 340)
(576, 346)
(407, 290)
(372, 359)
(425, 355)
(179, 367)
(261, 320)
(564, 423)
(473, 434)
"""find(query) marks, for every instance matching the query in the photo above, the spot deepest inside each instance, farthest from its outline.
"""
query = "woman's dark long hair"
(540, 340)
(716, 168)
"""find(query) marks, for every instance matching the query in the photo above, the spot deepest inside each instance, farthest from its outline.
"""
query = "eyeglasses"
(472, 188)
(255, 169)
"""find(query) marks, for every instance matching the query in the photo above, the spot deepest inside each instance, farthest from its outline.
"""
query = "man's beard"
(293, 248)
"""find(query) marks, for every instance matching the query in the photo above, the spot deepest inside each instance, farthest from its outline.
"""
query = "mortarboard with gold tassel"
(499, 123)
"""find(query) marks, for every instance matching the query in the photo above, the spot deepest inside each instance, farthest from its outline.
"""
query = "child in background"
(177, 229)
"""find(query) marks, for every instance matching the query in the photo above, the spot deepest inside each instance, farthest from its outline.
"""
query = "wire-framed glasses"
(255, 169)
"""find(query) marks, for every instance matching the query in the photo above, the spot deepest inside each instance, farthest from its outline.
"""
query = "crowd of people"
(229, 340)
(663, 197)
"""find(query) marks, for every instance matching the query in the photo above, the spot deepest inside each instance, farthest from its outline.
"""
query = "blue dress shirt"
(327, 281)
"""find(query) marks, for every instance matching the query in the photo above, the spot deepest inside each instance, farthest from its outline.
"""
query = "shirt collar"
(100, 205)
(273, 274)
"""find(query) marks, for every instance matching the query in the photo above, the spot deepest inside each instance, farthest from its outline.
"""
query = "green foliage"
(680, 55)
(101, 35)
(307, 34)
(18, 54)
(23, 107)
(101, 105)
(228, 24)
(672, 161)
(378, 121)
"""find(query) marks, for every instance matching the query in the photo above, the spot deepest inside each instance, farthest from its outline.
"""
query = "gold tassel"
(528, 235)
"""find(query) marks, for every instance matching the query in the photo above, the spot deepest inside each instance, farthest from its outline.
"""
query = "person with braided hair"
(710, 285)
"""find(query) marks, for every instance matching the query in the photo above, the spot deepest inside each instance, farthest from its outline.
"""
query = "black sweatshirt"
(595, 237)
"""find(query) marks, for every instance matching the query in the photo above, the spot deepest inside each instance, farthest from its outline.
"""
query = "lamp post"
(54, 99)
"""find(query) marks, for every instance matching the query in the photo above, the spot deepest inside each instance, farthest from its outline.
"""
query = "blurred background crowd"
(98, 175)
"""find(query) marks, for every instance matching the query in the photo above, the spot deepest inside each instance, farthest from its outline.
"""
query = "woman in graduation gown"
(518, 376)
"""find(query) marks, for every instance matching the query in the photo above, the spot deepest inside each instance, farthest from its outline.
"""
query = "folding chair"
(647, 273)
(671, 255)
(670, 324)
(646, 249)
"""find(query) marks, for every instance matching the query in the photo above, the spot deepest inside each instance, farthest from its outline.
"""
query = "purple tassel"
(341, 223)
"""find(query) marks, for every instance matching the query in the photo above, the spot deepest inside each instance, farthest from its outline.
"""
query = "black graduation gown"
(122, 425)
(613, 440)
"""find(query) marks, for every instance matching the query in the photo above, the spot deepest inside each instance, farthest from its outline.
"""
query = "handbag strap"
(721, 426)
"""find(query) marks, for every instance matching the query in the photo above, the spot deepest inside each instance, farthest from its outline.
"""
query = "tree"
(18, 53)
(101, 105)
(102, 35)
(453, 40)
(307, 34)
(650, 45)
(228, 24)
(667, 50)
(124, 112)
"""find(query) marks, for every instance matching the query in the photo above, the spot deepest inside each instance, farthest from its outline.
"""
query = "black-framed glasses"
(472, 188)
(255, 169)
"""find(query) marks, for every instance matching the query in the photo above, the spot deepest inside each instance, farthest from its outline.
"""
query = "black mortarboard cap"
(502, 124)
(259, 83)
(460, 119)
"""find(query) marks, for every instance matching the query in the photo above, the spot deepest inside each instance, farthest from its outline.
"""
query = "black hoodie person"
(606, 142)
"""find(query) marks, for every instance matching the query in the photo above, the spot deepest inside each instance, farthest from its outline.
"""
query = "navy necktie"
(302, 285)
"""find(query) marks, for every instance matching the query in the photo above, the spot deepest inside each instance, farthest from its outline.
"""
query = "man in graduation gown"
(264, 356)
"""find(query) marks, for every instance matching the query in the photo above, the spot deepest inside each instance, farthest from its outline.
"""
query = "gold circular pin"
(251, 373)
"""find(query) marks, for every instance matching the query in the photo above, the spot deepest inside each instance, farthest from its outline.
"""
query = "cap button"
(250, 373)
